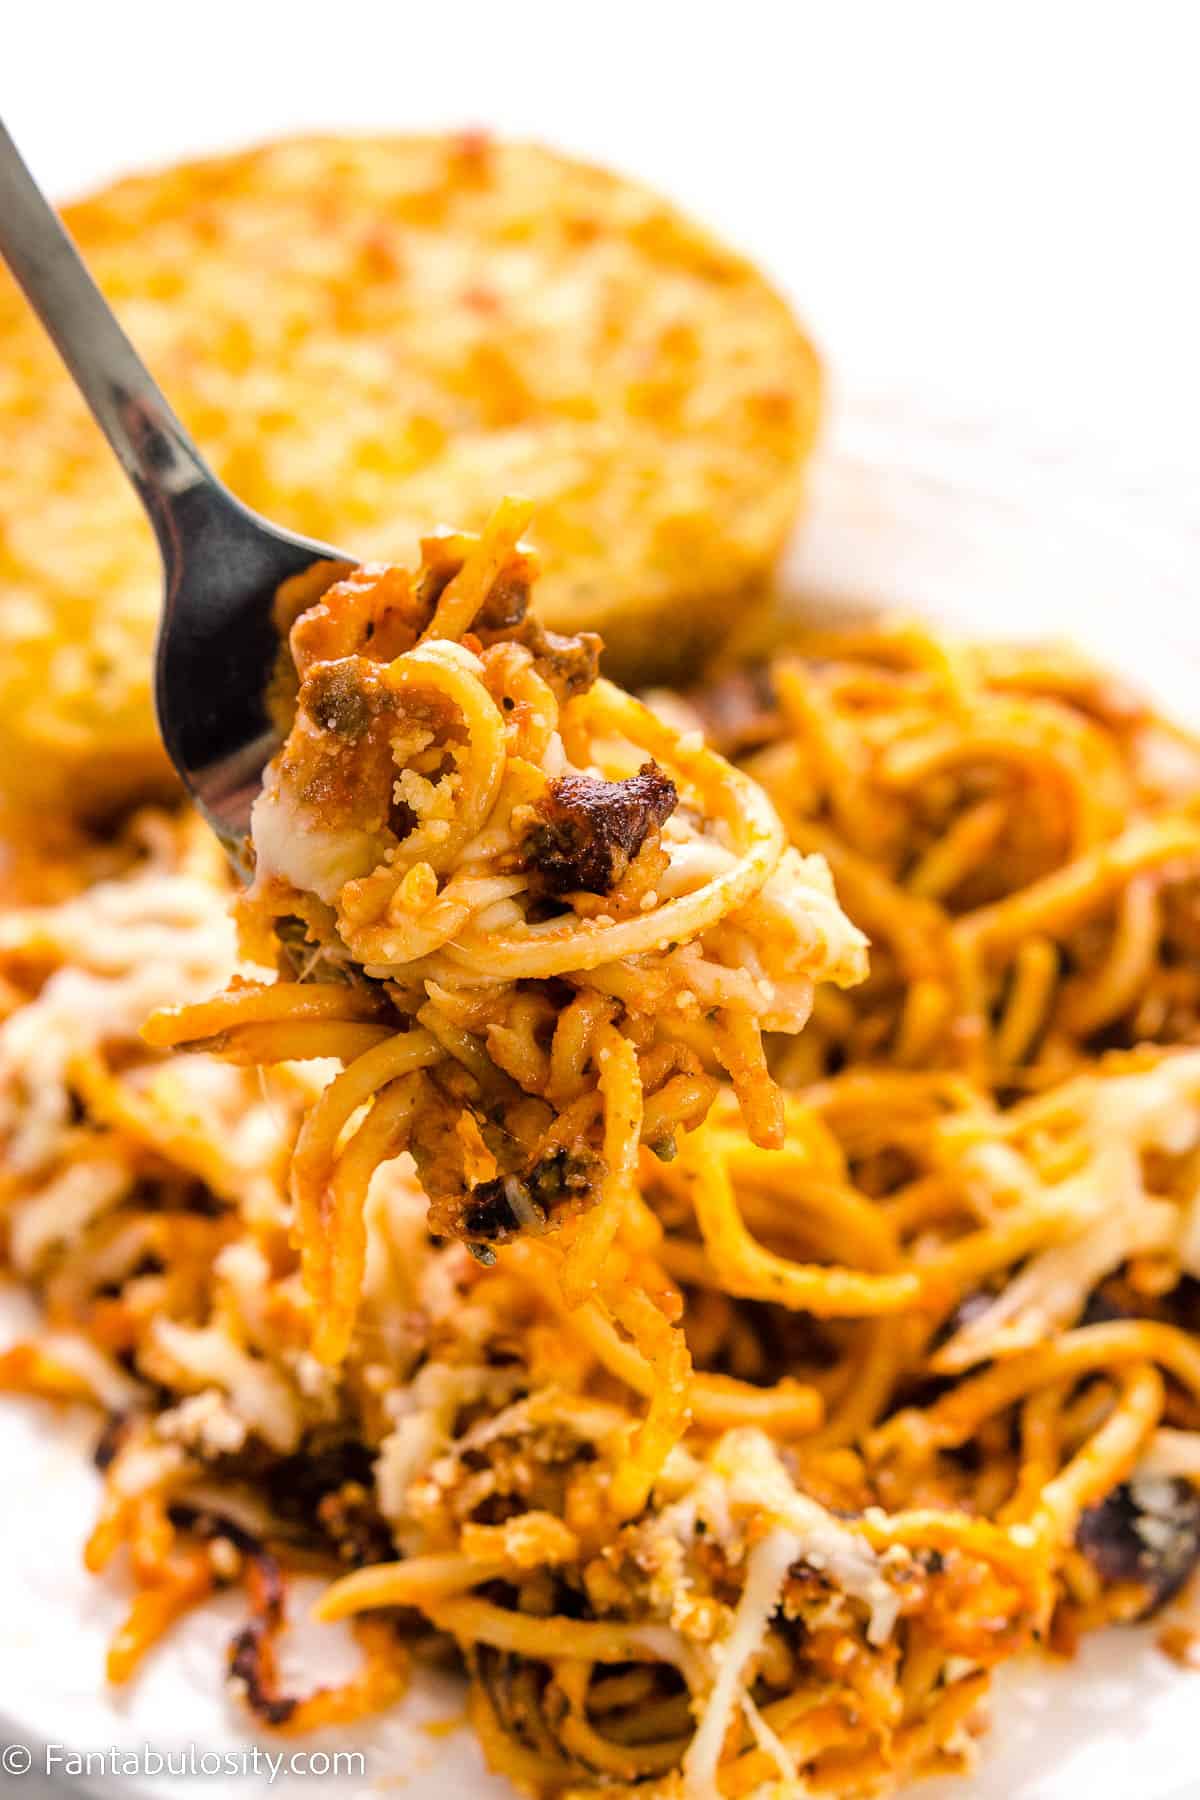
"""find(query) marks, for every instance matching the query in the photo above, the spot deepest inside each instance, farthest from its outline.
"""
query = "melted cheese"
(1170, 1453)
(204, 1422)
(799, 901)
(1102, 1216)
(132, 945)
(295, 844)
(114, 1389)
(257, 1393)
(1112, 1219)
(424, 1415)
(757, 1479)
(75, 1196)
(767, 1567)
(1158, 1108)
(753, 1482)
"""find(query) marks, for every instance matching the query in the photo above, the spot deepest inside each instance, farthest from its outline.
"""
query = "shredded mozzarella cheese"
(766, 1571)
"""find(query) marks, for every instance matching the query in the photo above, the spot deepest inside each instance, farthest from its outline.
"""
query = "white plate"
(937, 520)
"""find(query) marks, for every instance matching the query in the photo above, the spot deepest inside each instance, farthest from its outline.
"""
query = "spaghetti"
(1018, 833)
(840, 1425)
(542, 920)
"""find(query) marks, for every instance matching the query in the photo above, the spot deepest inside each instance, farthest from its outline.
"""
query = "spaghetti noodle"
(554, 919)
(840, 1426)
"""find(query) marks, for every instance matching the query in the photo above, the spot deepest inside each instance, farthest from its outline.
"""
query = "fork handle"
(155, 451)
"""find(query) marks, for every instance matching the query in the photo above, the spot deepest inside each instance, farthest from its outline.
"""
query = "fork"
(218, 645)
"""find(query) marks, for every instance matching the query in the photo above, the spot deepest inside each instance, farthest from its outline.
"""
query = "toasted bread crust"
(371, 336)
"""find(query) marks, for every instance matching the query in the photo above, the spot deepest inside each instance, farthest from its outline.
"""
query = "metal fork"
(218, 647)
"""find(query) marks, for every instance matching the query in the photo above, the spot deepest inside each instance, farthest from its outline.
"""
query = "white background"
(987, 209)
